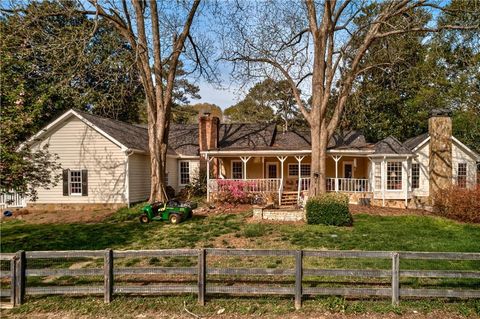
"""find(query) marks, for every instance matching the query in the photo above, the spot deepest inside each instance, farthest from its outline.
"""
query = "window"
(184, 173)
(394, 175)
(462, 175)
(293, 170)
(75, 181)
(272, 169)
(237, 170)
(415, 175)
(378, 175)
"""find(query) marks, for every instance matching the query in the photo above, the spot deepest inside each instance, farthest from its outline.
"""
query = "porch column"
(245, 160)
(280, 189)
(208, 160)
(371, 177)
(299, 186)
(336, 159)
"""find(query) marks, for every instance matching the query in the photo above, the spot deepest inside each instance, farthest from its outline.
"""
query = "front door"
(348, 170)
(272, 170)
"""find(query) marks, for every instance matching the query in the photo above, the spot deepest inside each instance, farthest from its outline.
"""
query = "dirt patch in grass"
(60, 217)
(387, 211)
(217, 209)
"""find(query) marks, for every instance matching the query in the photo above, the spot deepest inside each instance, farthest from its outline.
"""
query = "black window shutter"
(65, 182)
(84, 182)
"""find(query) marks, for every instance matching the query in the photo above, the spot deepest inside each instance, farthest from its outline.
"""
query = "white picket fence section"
(12, 199)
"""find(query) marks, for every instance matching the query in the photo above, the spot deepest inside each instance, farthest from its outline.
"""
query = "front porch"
(286, 178)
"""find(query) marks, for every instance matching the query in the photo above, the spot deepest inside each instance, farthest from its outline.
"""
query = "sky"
(223, 97)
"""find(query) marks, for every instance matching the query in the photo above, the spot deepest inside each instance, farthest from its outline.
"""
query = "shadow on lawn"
(17, 235)
(69, 236)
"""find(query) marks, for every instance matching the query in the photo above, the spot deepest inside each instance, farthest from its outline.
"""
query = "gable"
(459, 150)
(72, 134)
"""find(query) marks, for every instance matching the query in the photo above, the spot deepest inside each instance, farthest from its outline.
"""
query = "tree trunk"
(318, 182)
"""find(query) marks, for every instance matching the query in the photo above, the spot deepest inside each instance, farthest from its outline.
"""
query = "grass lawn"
(123, 231)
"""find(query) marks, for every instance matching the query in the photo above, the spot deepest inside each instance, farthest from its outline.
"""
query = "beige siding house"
(106, 162)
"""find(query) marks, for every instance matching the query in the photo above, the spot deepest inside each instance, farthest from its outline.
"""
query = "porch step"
(289, 198)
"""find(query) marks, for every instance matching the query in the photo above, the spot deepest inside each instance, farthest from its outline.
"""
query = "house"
(106, 162)
(386, 173)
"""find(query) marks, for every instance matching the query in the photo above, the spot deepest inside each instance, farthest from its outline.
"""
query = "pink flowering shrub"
(234, 191)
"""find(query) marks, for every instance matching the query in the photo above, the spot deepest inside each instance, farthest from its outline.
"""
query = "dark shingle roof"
(413, 142)
(183, 139)
(129, 135)
(258, 136)
(301, 140)
(391, 145)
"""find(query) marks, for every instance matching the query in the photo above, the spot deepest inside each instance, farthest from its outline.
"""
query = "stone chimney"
(208, 127)
(440, 161)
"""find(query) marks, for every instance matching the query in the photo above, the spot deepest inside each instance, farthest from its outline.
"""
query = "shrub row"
(457, 203)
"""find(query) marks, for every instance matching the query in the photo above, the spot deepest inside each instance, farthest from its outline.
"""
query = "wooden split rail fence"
(20, 269)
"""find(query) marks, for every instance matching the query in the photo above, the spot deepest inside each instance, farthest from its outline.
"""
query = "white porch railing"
(349, 185)
(12, 199)
(267, 185)
(353, 185)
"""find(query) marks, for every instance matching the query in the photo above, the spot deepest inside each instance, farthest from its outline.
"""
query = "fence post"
(202, 274)
(20, 277)
(395, 279)
(108, 275)
(298, 278)
(13, 281)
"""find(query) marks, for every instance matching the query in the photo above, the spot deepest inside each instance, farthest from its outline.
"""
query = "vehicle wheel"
(144, 219)
(174, 218)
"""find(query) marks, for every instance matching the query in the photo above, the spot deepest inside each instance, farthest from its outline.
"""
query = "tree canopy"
(268, 100)
(416, 73)
(51, 64)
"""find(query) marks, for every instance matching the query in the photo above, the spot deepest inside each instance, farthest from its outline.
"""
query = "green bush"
(329, 209)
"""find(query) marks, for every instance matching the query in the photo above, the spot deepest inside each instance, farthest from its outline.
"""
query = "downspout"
(128, 152)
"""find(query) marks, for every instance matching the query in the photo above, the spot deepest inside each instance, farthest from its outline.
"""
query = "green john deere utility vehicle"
(173, 211)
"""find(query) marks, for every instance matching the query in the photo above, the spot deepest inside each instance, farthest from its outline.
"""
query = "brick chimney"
(208, 127)
(440, 161)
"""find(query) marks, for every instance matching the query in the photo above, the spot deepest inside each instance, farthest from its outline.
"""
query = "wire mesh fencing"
(251, 272)
(7, 279)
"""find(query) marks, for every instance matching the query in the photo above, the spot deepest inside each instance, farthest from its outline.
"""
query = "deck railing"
(12, 199)
(260, 185)
(209, 272)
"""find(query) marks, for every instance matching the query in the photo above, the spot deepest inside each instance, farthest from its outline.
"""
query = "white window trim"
(458, 171)
(386, 176)
(353, 169)
(70, 181)
(275, 164)
(180, 172)
(419, 175)
(296, 164)
(231, 168)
